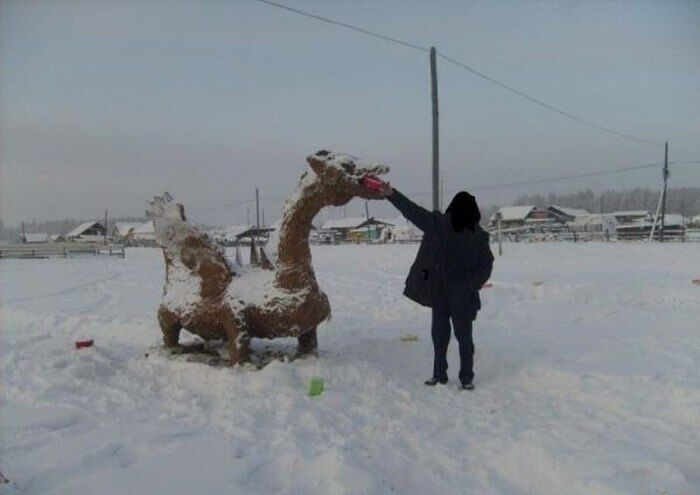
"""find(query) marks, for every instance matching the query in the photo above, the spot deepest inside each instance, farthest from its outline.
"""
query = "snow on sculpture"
(212, 298)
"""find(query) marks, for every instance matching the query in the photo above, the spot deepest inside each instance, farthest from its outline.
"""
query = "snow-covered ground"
(586, 383)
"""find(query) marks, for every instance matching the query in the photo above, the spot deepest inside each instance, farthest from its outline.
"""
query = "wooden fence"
(60, 249)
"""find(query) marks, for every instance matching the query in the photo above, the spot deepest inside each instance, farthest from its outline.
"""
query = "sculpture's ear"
(317, 161)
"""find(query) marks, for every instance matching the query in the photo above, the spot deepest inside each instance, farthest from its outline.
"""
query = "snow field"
(586, 383)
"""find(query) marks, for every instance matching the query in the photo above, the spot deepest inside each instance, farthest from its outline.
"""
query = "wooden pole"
(369, 234)
(257, 213)
(436, 151)
(663, 197)
(498, 233)
(105, 226)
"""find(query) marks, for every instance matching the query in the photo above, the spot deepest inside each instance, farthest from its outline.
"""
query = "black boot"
(434, 381)
(467, 386)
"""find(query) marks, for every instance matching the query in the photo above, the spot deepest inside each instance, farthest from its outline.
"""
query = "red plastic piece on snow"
(372, 183)
(79, 344)
(487, 285)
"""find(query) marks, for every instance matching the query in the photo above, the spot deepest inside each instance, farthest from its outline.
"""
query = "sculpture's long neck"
(294, 270)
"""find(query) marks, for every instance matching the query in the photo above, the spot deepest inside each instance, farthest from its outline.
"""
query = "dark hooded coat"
(459, 262)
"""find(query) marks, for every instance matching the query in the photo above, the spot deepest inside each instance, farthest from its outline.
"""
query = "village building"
(365, 234)
(632, 216)
(349, 229)
(674, 229)
(517, 218)
(595, 222)
(568, 214)
(87, 231)
(122, 230)
(143, 235)
(402, 231)
(238, 235)
(35, 238)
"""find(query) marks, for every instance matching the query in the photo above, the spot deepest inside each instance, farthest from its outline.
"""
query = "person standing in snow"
(453, 263)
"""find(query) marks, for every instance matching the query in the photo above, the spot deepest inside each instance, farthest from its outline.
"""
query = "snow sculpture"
(278, 295)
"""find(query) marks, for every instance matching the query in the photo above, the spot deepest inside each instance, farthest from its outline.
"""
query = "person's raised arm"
(419, 216)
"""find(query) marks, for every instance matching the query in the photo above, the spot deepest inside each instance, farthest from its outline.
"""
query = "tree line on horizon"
(681, 200)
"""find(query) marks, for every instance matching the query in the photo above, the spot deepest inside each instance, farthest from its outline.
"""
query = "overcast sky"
(106, 103)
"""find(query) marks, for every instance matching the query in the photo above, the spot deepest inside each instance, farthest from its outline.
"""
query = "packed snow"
(587, 382)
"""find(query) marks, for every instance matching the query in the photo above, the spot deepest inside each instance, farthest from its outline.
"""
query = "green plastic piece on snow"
(315, 386)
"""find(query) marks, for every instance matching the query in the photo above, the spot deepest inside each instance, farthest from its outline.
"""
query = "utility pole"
(105, 226)
(247, 216)
(369, 232)
(665, 174)
(436, 150)
(257, 214)
(499, 217)
(24, 233)
(263, 217)
(442, 192)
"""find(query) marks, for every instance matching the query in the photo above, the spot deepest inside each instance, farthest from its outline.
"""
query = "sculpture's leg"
(308, 344)
(170, 326)
(238, 342)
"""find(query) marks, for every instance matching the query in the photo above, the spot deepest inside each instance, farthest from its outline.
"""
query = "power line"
(501, 185)
(222, 207)
(483, 187)
(466, 67)
(541, 103)
(345, 25)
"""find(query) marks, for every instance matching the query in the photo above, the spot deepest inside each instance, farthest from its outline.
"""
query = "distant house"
(527, 218)
(695, 221)
(342, 228)
(568, 214)
(674, 228)
(241, 234)
(364, 234)
(88, 231)
(143, 235)
(633, 216)
(402, 231)
(122, 230)
(512, 217)
(35, 238)
(595, 222)
(229, 236)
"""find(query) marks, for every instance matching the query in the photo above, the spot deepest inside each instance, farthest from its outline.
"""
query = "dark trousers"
(441, 340)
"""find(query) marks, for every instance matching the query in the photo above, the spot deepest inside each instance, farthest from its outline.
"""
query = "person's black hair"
(464, 212)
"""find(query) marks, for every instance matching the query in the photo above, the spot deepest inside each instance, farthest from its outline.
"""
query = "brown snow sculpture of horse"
(212, 298)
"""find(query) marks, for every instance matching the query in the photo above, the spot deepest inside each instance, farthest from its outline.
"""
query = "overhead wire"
(357, 29)
(484, 187)
(505, 185)
(543, 104)
(467, 68)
